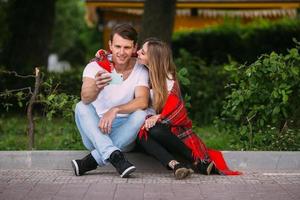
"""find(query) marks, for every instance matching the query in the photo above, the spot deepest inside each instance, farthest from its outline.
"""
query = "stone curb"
(238, 160)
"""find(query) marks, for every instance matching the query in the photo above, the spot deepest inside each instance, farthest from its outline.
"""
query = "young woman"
(167, 130)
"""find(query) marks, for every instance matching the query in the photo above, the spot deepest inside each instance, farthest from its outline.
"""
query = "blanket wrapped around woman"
(174, 115)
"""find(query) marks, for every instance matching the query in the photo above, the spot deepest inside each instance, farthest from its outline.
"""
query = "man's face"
(122, 49)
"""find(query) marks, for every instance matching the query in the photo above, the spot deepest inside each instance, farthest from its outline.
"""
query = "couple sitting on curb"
(114, 115)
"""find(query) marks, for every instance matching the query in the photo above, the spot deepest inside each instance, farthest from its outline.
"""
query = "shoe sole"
(182, 173)
(75, 167)
(127, 172)
(209, 168)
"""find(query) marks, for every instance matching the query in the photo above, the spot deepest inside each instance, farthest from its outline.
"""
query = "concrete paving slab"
(106, 184)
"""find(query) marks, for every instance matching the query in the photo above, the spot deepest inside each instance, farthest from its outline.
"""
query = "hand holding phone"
(102, 79)
(116, 78)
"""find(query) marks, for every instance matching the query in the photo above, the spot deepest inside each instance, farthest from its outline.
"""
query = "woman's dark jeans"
(163, 145)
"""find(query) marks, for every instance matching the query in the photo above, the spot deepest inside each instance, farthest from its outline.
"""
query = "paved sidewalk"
(105, 184)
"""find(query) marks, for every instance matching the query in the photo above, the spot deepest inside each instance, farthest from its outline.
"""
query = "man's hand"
(102, 79)
(105, 122)
(151, 121)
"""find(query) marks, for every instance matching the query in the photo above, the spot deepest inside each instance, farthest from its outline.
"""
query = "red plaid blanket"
(174, 114)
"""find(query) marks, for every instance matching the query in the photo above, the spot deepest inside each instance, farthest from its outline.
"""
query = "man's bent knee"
(138, 117)
(82, 109)
(140, 114)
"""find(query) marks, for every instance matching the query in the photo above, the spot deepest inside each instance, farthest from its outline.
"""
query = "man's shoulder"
(91, 69)
(141, 68)
(92, 64)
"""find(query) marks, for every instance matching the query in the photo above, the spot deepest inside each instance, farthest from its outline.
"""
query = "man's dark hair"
(126, 31)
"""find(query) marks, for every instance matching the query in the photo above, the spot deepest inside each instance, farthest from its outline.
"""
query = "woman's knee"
(158, 130)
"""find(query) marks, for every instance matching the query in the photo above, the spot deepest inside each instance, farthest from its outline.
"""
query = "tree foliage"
(73, 40)
(29, 31)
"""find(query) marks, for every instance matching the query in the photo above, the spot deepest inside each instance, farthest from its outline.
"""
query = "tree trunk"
(158, 20)
(30, 26)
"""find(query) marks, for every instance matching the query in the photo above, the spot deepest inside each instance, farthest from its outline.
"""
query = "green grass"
(57, 134)
(215, 139)
(60, 134)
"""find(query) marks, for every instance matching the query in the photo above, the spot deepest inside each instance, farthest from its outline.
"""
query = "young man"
(110, 114)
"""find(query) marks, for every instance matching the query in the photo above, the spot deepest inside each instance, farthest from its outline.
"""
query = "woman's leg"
(171, 142)
(153, 148)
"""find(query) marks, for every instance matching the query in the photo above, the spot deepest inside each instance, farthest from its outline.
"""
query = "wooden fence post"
(31, 125)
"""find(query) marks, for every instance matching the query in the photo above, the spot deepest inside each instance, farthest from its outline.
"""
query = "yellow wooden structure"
(192, 14)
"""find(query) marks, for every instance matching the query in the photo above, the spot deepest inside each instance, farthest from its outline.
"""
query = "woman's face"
(142, 55)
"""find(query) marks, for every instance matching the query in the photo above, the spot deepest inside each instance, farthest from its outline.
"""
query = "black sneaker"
(181, 171)
(88, 163)
(122, 165)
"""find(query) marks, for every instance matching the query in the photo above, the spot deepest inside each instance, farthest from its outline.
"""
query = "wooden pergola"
(190, 14)
(237, 4)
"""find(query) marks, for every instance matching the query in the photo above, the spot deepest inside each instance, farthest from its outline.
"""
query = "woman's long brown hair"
(161, 67)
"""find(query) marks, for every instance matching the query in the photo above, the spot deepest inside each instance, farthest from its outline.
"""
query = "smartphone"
(116, 78)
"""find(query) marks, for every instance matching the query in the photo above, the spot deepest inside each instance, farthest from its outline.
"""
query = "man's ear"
(110, 45)
(135, 48)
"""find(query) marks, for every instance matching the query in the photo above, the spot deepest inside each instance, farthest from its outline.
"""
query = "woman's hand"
(105, 122)
(151, 121)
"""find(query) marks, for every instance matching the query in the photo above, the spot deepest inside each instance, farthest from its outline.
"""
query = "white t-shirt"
(117, 94)
(150, 110)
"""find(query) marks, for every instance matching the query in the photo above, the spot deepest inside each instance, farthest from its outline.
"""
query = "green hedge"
(243, 43)
(204, 53)
(263, 107)
(205, 89)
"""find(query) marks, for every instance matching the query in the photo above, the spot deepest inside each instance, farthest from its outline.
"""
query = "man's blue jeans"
(122, 136)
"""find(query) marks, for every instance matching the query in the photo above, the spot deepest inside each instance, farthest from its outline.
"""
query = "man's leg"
(87, 122)
(123, 135)
(85, 114)
(125, 130)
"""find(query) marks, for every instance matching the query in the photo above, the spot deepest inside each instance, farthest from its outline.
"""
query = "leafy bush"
(55, 87)
(243, 43)
(205, 87)
(48, 100)
(263, 106)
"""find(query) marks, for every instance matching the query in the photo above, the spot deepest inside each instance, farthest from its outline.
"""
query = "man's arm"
(89, 90)
(139, 102)
(91, 87)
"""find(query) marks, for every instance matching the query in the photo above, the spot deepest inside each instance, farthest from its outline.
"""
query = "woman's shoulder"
(170, 84)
